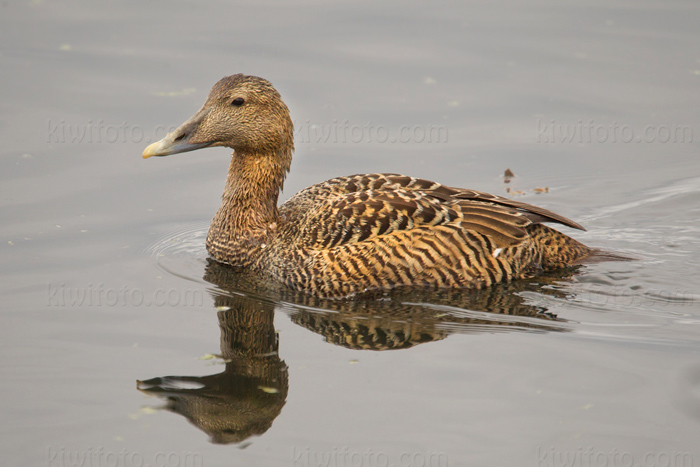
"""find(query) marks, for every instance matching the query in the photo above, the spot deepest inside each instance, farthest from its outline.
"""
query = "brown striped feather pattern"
(365, 232)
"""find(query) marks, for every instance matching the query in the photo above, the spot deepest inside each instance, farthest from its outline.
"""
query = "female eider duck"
(361, 233)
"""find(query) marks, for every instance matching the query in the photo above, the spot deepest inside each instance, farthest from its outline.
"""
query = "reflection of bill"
(249, 394)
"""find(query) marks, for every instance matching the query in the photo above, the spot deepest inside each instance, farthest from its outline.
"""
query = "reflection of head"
(249, 394)
(245, 399)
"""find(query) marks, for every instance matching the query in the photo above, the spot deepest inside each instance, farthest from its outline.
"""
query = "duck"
(355, 235)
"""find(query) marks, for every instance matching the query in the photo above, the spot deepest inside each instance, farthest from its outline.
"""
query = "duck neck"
(253, 185)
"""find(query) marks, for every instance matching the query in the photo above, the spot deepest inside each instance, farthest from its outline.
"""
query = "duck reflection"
(404, 318)
(249, 394)
(245, 399)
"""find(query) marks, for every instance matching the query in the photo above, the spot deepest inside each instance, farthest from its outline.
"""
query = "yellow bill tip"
(151, 150)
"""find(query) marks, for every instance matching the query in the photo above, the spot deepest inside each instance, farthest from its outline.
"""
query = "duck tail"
(556, 249)
(596, 255)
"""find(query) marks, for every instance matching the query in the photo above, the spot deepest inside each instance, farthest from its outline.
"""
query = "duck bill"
(180, 140)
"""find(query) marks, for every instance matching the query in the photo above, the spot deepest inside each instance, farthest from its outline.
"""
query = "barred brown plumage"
(351, 235)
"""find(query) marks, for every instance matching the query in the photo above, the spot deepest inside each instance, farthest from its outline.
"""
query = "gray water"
(105, 280)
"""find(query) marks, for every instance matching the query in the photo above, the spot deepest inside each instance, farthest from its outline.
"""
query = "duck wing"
(353, 209)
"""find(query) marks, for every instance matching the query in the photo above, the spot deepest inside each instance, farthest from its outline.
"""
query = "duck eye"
(238, 101)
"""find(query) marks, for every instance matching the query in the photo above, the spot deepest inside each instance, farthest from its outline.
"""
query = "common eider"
(361, 233)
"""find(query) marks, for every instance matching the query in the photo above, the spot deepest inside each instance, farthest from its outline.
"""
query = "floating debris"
(508, 175)
(143, 411)
(514, 192)
(544, 189)
(268, 389)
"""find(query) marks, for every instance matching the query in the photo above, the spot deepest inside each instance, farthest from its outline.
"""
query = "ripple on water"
(182, 253)
(615, 300)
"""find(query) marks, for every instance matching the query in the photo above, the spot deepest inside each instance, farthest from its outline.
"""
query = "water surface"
(105, 280)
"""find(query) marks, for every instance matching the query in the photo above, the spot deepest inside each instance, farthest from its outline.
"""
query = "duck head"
(245, 113)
